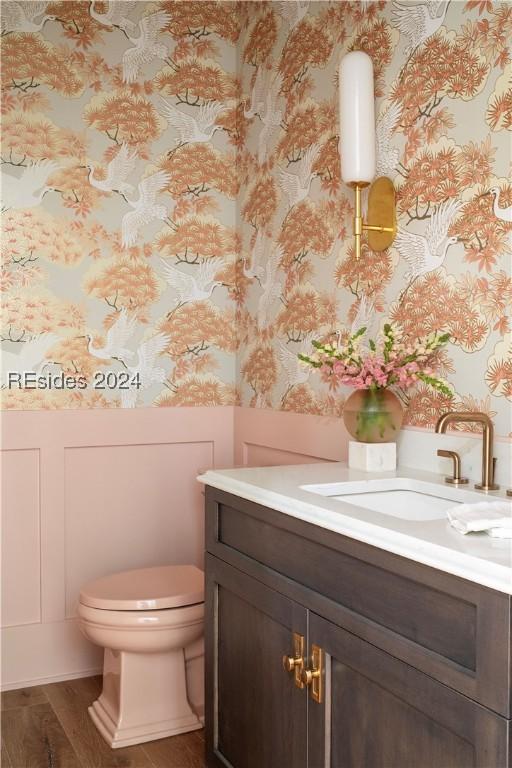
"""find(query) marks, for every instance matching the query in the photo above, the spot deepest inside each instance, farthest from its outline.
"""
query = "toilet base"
(144, 697)
(126, 737)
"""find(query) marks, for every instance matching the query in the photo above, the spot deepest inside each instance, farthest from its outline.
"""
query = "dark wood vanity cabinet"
(381, 713)
(263, 718)
(394, 686)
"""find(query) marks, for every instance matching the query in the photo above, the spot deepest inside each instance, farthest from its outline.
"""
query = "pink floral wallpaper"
(175, 227)
(444, 114)
(119, 183)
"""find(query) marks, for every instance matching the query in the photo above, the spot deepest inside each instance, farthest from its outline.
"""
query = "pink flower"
(339, 367)
(390, 363)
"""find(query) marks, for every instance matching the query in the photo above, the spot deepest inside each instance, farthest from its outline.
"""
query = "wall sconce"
(357, 147)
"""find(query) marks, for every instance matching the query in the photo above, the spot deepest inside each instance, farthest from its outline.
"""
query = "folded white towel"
(493, 517)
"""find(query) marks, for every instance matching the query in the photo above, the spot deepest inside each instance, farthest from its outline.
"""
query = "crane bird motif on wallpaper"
(190, 288)
(296, 185)
(259, 250)
(296, 372)
(21, 16)
(31, 359)
(420, 21)
(505, 214)
(193, 130)
(146, 369)
(146, 46)
(145, 208)
(271, 117)
(364, 317)
(118, 171)
(271, 289)
(425, 253)
(29, 189)
(118, 336)
(293, 12)
(116, 14)
(385, 153)
(258, 93)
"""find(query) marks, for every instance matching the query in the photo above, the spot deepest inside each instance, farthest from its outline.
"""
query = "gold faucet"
(488, 462)
(456, 478)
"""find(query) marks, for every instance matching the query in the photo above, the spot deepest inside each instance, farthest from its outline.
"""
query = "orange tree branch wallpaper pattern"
(173, 208)
(444, 112)
(120, 180)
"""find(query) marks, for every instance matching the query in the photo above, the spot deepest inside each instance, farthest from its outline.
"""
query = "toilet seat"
(145, 621)
(167, 586)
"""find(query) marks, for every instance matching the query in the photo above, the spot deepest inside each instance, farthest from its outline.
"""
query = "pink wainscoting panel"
(132, 503)
(113, 490)
(265, 437)
(45, 653)
(88, 492)
(21, 564)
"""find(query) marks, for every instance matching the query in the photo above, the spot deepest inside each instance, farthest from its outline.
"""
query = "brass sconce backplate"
(381, 213)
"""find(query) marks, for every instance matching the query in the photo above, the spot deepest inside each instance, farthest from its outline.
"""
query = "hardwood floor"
(48, 726)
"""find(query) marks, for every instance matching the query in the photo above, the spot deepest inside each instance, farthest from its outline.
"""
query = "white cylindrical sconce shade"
(357, 118)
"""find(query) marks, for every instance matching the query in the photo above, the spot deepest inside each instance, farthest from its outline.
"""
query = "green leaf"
(436, 384)
(309, 361)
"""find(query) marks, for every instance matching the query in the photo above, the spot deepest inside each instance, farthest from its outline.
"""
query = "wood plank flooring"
(48, 726)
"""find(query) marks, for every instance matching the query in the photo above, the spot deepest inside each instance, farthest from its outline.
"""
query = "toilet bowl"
(150, 623)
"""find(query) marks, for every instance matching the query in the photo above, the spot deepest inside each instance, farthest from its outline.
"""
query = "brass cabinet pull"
(308, 675)
(313, 677)
(289, 663)
(295, 663)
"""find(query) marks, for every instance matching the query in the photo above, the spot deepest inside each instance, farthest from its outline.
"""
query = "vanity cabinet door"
(256, 717)
(378, 712)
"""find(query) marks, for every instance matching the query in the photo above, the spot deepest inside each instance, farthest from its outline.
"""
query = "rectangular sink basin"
(400, 497)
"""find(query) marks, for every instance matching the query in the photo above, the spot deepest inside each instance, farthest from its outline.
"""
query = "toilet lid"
(167, 586)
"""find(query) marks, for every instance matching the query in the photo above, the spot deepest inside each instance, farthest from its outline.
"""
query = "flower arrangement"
(375, 368)
(386, 362)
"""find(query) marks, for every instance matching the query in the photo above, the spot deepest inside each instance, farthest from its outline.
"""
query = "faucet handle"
(456, 479)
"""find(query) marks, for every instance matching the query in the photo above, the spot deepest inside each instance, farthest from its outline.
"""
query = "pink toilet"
(150, 623)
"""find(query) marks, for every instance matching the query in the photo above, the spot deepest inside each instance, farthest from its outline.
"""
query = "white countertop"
(476, 556)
